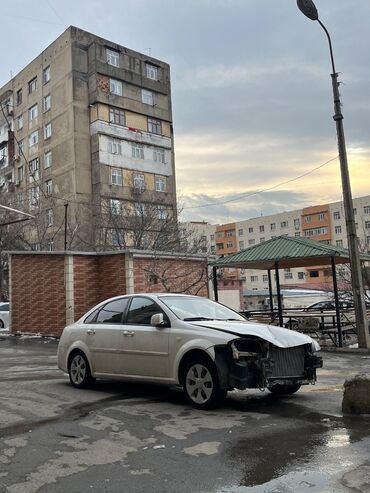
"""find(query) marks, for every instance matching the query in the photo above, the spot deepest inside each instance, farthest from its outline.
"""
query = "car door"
(104, 338)
(146, 347)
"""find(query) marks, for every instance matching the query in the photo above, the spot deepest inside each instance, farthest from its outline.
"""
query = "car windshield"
(194, 308)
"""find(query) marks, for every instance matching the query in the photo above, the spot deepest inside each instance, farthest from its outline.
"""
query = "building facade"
(88, 123)
(325, 223)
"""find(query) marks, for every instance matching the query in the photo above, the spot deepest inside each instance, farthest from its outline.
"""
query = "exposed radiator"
(287, 362)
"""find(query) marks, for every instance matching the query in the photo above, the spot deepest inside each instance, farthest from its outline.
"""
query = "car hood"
(278, 336)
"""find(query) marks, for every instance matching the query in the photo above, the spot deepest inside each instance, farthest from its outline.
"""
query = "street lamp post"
(308, 8)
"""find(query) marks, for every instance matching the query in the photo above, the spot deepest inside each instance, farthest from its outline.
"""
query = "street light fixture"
(308, 8)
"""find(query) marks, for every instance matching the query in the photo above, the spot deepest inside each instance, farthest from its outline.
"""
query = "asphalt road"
(138, 438)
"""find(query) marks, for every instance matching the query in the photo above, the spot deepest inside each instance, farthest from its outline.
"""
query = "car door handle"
(90, 331)
(128, 333)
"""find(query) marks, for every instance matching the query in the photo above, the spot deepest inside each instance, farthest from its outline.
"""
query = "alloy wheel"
(199, 383)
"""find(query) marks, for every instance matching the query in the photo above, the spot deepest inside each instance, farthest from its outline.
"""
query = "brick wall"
(38, 299)
(38, 287)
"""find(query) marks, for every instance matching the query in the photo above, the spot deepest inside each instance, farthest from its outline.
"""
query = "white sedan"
(190, 341)
(4, 315)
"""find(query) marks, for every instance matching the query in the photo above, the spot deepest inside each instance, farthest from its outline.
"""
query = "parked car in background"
(4, 315)
(190, 341)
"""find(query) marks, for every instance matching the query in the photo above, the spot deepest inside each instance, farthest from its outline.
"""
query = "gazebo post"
(280, 308)
(336, 298)
(215, 284)
(270, 292)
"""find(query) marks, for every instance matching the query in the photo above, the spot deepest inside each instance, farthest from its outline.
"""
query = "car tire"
(79, 371)
(284, 389)
(1, 324)
(201, 384)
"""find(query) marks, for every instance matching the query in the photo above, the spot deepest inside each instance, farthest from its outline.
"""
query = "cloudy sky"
(251, 88)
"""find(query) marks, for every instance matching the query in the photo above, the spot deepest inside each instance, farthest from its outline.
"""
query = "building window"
(50, 217)
(307, 219)
(158, 155)
(34, 169)
(288, 275)
(273, 226)
(20, 122)
(213, 249)
(115, 87)
(220, 246)
(50, 246)
(154, 126)
(137, 150)
(251, 242)
(114, 146)
(151, 71)
(316, 231)
(229, 244)
(48, 159)
(314, 273)
(116, 116)
(49, 187)
(160, 184)
(297, 234)
(46, 74)
(338, 230)
(139, 209)
(117, 238)
(116, 177)
(20, 173)
(219, 234)
(241, 245)
(262, 240)
(368, 240)
(301, 275)
(212, 237)
(262, 229)
(47, 131)
(254, 278)
(112, 57)
(34, 196)
(35, 247)
(32, 85)
(19, 97)
(339, 243)
(147, 97)
(139, 181)
(367, 224)
(33, 138)
(115, 206)
(250, 230)
(265, 278)
(229, 233)
(47, 103)
(297, 224)
(240, 232)
(284, 224)
(20, 199)
(321, 216)
(32, 112)
(367, 209)
(162, 212)
(336, 215)
(20, 147)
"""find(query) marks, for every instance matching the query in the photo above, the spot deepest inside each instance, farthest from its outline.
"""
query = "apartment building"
(88, 123)
(324, 223)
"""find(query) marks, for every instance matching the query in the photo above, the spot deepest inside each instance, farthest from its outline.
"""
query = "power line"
(250, 194)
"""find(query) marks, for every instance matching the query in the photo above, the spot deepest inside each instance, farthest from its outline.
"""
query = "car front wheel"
(79, 371)
(284, 389)
(201, 384)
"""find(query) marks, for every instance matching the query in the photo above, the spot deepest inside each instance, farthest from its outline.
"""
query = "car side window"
(91, 318)
(141, 311)
(112, 312)
(4, 308)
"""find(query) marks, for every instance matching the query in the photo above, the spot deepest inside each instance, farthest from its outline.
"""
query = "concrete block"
(356, 396)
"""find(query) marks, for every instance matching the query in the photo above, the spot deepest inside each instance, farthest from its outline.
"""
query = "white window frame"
(114, 146)
(49, 187)
(139, 181)
(50, 217)
(116, 87)
(33, 138)
(115, 206)
(34, 167)
(151, 71)
(153, 125)
(116, 176)
(160, 183)
(137, 150)
(46, 103)
(20, 122)
(32, 85)
(336, 215)
(20, 173)
(46, 75)
(162, 212)
(159, 155)
(139, 208)
(47, 131)
(48, 159)
(147, 97)
(34, 196)
(112, 57)
(33, 112)
(366, 209)
(338, 230)
(50, 246)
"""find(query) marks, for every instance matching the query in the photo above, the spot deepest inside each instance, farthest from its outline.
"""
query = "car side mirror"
(157, 320)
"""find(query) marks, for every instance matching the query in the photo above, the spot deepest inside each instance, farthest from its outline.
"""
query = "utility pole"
(65, 225)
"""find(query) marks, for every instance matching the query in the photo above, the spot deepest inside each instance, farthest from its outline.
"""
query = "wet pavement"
(128, 438)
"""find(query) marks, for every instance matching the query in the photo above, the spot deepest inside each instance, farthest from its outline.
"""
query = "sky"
(251, 91)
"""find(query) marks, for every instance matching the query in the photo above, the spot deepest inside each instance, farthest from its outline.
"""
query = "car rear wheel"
(1, 324)
(79, 371)
(284, 389)
(201, 384)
